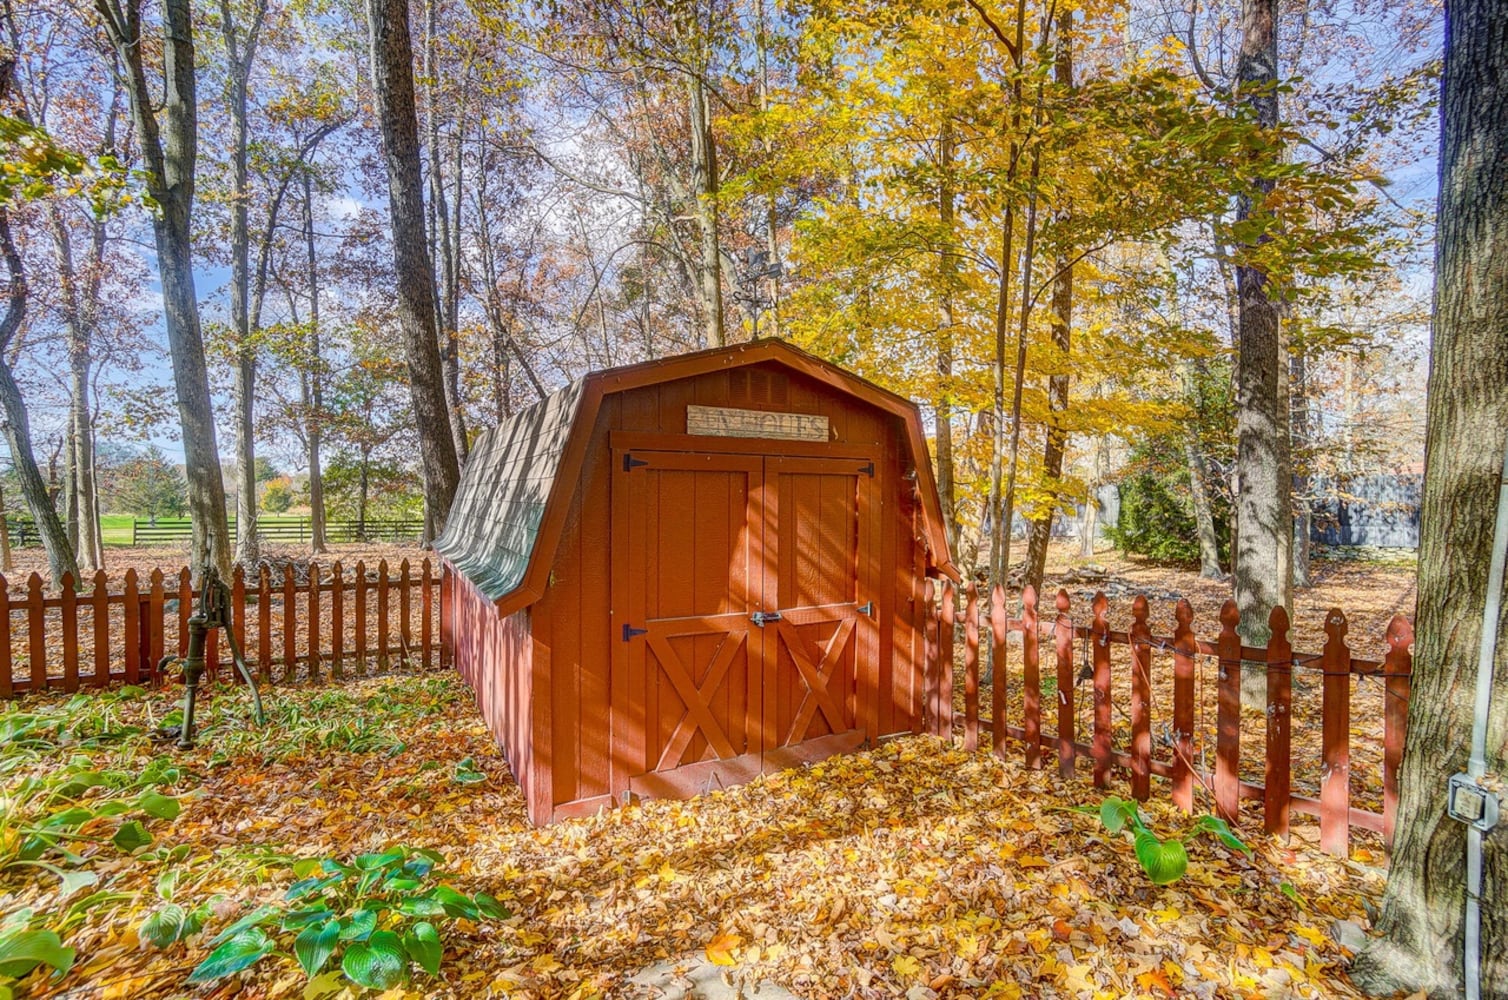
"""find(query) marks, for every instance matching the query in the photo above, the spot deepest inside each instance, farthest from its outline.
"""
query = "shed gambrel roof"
(505, 490)
(510, 508)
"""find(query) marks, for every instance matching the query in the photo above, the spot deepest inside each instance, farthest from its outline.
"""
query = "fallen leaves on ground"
(912, 870)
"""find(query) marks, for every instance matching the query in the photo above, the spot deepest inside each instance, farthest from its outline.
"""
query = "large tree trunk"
(169, 149)
(704, 190)
(1262, 503)
(1204, 519)
(314, 405)
(443, 241)
(1422, 912)
(393, 72)
(16, 427)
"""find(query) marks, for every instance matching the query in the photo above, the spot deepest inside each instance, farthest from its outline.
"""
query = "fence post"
(1185, 648)
(134, 638)
(447, 657)
(1100, 643)
(1278, 777)
(946, 648)
(156, 626)
(1031, 679)
(1063, 643)
(1397, 667)
(185, 608)
(405, 608)
(382, 634)
(999, 677)
(1141, 701)
(238, 615)
(1335, 780)
(971, 669)
(290, 626)
(1228, 732)
(929, 656)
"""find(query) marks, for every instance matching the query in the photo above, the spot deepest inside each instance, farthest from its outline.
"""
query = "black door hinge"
(761, 618)
(629, 462)
(629, 632)
(868, 469)
(866, 609)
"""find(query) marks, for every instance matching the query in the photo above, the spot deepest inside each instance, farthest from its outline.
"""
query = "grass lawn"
(914, 869)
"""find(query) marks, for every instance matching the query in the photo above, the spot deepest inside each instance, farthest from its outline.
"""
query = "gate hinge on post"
(866, 609)
(868, 469)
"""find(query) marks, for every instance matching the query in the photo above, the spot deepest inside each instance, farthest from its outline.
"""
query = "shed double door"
(741, 597)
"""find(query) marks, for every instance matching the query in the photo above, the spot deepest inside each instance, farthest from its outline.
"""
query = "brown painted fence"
(1077, 651)
(304, 626)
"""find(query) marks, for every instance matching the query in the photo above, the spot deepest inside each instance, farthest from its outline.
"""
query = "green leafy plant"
(375, 916)
(1165, 860)
(24, 949)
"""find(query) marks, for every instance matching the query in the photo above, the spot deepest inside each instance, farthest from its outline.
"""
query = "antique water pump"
(213, 613)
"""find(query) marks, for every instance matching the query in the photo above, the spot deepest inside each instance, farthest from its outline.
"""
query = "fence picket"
(1185, 648)
(1228, 725)
(134, 638)
(361, 618)
(7, 682)
(1398, 666)
(946, 651)
(185, 602)
(999, 692)
(426, 602)
(36, 632)
(156, 626)
(382, 632)
(264, 623)
(1100, 648)
(1277, 778)
(405, 581)
(971, 669)
(929, 656)
(290, 627)
(238, 616)
(312, 632)
(1063, 646)
(1141, 701)
(1335, 780)
(1031, 694)
(68, 608)
(337, 620)
(100, 601)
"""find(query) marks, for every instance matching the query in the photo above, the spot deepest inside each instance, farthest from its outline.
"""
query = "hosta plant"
(24, 949)
(1164, 860)
(373, 918)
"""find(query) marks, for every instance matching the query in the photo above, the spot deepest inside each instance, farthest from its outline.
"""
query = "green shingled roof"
(494, 520)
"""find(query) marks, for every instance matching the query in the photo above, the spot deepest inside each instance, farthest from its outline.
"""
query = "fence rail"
(23, 531)
(340, 621)
(1182, 763)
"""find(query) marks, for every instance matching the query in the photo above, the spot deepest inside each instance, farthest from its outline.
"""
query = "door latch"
(760, 618)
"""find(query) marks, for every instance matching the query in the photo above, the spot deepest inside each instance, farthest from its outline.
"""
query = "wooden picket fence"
(331, 624)
(1076, 650)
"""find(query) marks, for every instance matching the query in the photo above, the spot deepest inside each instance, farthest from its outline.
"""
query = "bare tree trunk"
(241, 48)
(1298, 368)
(948, 279)
(704, 190)
(1262, 502)
(1204, 519)
(7, 561)
(169, 149)
(393, 71)
(13, 416)
(314, 410)
(1420, 946)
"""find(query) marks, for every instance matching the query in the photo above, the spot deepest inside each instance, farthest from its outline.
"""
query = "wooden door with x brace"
(739, 589)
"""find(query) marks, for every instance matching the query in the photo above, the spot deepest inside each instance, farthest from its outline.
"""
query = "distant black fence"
(171, 531)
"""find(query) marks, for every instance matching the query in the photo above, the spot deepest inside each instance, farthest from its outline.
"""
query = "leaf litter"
(914, 870)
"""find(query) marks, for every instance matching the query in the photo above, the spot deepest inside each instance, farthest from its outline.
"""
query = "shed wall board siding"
(572, 619)
(494, 655)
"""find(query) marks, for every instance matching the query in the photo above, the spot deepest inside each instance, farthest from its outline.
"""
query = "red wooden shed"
(676, 575)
